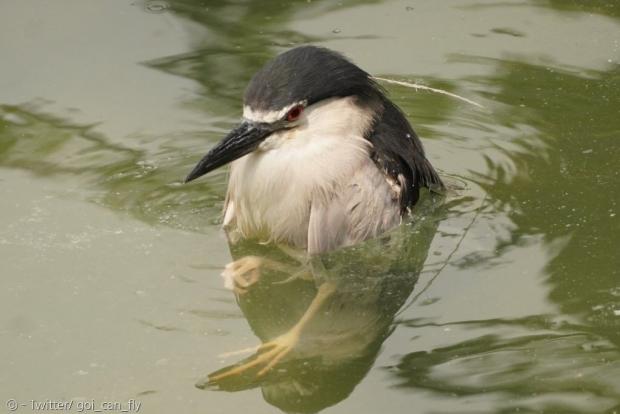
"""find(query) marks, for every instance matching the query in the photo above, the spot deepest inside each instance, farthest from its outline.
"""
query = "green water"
(504, 298)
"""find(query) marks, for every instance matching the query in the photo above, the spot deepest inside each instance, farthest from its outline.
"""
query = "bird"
(321, 160)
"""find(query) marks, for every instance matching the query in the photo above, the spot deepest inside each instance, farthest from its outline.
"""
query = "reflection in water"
(568, 192)
(545, 364)
(604, 7)
(564, 190)
(367, 285)
(123, 178)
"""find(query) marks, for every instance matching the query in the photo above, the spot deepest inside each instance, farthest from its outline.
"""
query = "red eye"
(294, 113)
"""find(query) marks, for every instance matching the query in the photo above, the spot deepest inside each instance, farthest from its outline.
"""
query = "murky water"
(504, 298)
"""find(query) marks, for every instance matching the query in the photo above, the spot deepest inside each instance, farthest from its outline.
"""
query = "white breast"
(271, 190)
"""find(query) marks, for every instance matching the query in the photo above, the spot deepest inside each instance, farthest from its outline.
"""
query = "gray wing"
(368, 205)
(398, 151)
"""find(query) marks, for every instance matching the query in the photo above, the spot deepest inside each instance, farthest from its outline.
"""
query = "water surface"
(110, 286)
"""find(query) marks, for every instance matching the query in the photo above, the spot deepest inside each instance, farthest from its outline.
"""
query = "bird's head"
(281, 96)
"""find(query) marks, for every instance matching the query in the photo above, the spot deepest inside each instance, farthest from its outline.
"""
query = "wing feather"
(398, 151)
(367, 206)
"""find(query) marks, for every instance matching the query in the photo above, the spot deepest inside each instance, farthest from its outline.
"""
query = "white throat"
(271, 189)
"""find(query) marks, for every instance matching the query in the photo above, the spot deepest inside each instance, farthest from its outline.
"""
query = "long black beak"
(239, 142)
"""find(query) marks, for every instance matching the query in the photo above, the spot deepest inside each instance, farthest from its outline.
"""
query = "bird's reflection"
(341, 304)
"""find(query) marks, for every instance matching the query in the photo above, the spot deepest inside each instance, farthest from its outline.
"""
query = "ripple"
(156, 6)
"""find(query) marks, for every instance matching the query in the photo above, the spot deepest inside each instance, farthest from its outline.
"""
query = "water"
(504, 298)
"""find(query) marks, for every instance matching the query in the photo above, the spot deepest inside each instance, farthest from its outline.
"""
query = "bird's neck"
(271, 190)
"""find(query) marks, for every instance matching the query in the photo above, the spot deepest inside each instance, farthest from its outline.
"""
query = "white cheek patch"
(335, 119)
(277, 139)
(257, 115)
(260, 116)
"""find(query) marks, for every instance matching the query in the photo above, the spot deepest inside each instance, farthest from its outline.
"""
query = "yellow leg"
(241, 274)
(272, 352)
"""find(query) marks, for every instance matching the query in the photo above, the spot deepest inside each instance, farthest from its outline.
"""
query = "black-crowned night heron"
(322, 160)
